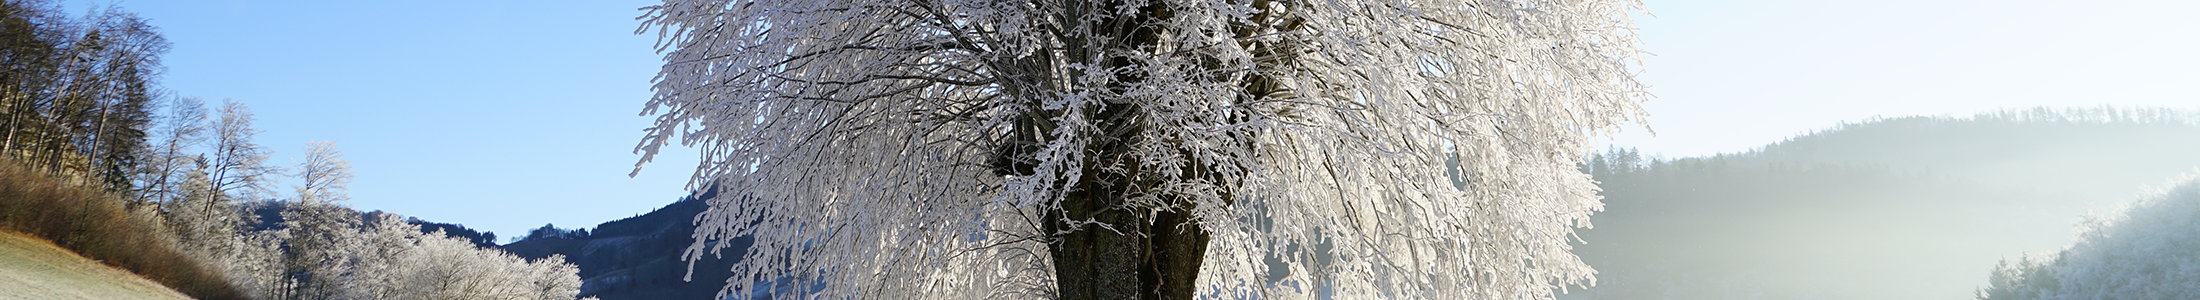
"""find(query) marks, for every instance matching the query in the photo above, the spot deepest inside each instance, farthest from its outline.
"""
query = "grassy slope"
(31, 268)
(94, 224)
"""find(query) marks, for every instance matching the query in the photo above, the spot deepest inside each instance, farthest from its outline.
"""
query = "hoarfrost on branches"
(238, 166)
(2144, 251)
(940, 147)
(325, 175)
(391, 259)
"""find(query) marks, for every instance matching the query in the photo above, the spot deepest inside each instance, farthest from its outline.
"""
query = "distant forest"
(1895, 208)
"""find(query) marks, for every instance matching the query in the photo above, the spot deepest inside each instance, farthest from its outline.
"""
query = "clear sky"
(504, 115)
(499, 115)
(1730, 75)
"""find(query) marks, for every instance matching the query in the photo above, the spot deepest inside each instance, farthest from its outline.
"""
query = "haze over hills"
(1900, 208)
(2099, 153)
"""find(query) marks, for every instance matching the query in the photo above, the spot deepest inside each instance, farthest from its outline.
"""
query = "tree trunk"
(1139, 259)
(1128, 252)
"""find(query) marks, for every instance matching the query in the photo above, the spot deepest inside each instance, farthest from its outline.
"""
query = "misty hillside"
(2100, 153)
(1903, 208)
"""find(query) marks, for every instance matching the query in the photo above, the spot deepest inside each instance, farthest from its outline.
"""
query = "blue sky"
(500, 115)
(504, 115)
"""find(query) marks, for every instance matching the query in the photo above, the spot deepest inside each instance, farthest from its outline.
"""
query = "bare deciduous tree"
(177, 133)
(238, 165)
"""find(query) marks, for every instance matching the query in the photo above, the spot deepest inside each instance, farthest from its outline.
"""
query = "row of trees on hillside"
(77, 93)
(318, 248)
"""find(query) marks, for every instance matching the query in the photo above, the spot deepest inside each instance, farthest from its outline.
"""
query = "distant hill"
(1902, 208)
(639, 257)
(2101, 154)
(33, 268)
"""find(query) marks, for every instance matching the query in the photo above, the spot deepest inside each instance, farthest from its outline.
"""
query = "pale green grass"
(32, 268)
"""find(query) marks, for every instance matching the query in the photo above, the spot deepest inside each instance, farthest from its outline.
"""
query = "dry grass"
(32, 268)
(94, 224)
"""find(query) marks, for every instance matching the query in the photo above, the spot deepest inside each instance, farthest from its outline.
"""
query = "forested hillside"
(2102, 154)
(1903, 208)
(637, 257)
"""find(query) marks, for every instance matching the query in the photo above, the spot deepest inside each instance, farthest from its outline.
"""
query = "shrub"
(97, 225)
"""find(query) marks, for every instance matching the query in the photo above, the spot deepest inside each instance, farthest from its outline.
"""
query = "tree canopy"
(1057, 148)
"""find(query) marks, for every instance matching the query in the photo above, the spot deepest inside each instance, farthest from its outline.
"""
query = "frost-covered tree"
(394, 260)
(237, 167)
(256, 264)
(1121, 149)
(177, 133)
(212, 228)
(316, 221)
(325, 175)
(323, 249)
(2149, 250)
(204, 224)
(374, 252)
(205, 212)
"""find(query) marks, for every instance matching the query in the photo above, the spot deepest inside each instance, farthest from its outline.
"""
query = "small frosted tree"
(255, 264)
(317, 220)
(205, 213)
(375, 251)
(175, 135)
(205, 224)
(1120, 149)
(238, 165)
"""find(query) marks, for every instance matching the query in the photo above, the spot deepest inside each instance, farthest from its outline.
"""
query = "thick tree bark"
(1177, 245)
(1140, 258)
(1093, 262)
